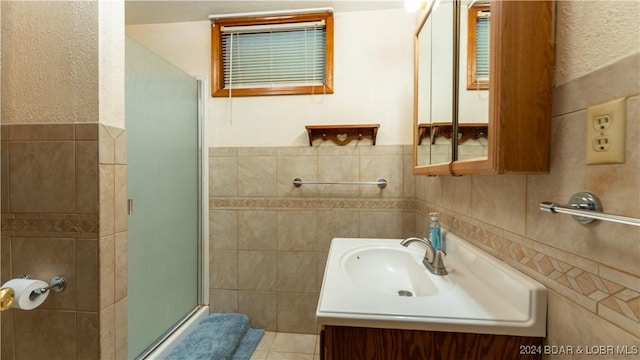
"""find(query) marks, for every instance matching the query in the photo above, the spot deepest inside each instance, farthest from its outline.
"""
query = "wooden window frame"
(472, 82)
(217, 65)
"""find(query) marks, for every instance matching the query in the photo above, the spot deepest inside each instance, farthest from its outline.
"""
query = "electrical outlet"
(606, 132)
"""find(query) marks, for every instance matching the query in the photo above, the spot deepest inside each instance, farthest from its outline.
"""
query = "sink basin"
(380, 283)
(388, 271)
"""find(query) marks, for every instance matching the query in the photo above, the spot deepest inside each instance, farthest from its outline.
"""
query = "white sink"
(390, 271)
(379, 283)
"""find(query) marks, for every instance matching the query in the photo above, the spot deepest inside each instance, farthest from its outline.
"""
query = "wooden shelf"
(467, 131)
(342, 134)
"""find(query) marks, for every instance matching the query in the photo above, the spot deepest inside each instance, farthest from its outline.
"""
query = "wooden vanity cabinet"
(359, 343)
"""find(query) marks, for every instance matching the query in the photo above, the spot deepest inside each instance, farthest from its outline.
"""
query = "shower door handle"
(129, 206)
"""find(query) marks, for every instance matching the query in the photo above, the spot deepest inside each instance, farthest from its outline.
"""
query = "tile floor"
(287, 346)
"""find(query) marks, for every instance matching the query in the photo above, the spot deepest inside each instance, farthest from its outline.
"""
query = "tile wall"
(61, 186)
(592, 272)
(269, 239)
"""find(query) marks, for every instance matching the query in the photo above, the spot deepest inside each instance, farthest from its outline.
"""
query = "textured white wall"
(111, 62)
(593, 34)
(373, 70)
(50, 62)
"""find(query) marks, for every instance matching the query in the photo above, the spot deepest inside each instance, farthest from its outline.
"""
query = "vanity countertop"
(364, 278)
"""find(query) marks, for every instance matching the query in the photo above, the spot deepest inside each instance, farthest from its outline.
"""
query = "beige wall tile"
(4, 179)
(223, 152)
(322, 264)
(338, 169)
(223, 230)
(88, 335)
(408, 224)
(42, 132)
(121, 267)
(257, 270)
(569, 324)
(107, 146)
(224, 269)
(388, 167)
(121, 329)
(498, 200)
(333, 224)
(86, 131)
(381, 224)
(296, 313)
(106, 246)
(41, 177)
(223, 176)
(120, 149)
(87, 279)
(297, 230)
(456, 193)
(5, 258)
(328, 148)
(55, 337)
(253, 151)
(408, 179)
(107, 199)
(260, 307)
(297, 272)
(7, 338)
(257, 230)
(25, 260)
(257, 176)
(108, 333)
(121, 216)
(380, 150)
(86, 173)
(223, 301)
(292, 167)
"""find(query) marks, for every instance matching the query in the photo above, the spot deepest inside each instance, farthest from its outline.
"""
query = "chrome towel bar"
(382, 183)
(586, 208)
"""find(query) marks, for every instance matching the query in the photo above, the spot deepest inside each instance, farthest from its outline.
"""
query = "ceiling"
(154, 11)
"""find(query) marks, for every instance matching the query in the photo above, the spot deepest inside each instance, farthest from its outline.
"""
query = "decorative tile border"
(80, 225)
(590, 290)
(286, 203)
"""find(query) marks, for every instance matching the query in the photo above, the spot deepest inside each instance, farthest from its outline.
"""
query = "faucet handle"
(437, 259)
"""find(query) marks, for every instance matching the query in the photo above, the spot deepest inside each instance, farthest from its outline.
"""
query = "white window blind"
(483, 22)
(274, 55)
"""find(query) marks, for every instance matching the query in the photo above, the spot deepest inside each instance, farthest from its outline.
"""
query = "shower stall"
(164, 112)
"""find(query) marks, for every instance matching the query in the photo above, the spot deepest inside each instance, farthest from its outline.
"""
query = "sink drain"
(405, 293)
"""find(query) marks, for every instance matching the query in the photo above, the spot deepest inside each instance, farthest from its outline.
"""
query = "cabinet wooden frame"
(520, 93)
(217, 65)
(472, 82)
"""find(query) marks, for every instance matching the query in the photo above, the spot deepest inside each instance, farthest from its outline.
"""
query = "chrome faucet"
(432, 258)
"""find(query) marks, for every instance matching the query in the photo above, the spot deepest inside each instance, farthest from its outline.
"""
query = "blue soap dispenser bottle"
(435, 232)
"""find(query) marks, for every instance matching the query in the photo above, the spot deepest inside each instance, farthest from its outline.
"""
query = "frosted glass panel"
(162, 126)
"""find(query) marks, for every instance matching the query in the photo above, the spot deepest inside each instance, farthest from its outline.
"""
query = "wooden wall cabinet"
(520, 94)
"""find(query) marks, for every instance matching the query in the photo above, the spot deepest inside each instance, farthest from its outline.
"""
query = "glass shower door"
(161, 105)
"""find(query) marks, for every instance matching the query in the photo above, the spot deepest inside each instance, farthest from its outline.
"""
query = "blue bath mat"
(219, 337)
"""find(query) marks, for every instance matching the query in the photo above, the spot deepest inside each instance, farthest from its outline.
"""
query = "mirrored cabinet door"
(499, 62)
(473, 83)
(434, 87)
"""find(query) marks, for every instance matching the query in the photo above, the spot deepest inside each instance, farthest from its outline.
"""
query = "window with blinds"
(478, 45)
(285, 55)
